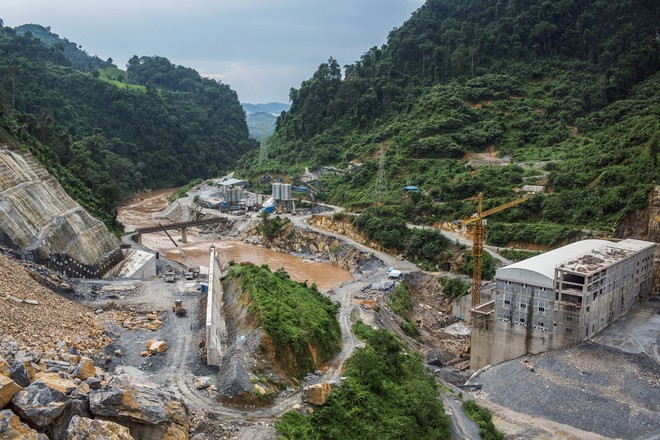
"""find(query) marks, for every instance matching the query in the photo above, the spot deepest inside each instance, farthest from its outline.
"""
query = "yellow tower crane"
(478, 232)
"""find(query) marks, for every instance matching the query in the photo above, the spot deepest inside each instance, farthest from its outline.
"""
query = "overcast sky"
(260, 48)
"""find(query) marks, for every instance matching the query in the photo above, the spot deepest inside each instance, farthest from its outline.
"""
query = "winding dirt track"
(182, 380)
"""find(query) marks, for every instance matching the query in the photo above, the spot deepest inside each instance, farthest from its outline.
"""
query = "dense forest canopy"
(105, 133)
(565, 92)
(78, 58)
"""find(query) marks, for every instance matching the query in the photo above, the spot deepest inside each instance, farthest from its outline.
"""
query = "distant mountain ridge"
(274, 108)
(262, 118)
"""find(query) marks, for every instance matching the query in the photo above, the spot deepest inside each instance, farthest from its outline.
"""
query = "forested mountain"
(105, 135)
(78, 58)
(567, 93)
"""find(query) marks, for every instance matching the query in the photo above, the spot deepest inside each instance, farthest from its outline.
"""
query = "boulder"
(148, 411)
(85, 369)
(12, 428)
(202, 383)
(158, 347)
(19, 374)
(4, 367)
(94, 383)
(82, 428)
(57, 382)
(316, 394)
(8, 389)
(259, 389)
(39, 405)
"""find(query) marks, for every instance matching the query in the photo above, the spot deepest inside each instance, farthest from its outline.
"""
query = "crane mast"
(478, 222)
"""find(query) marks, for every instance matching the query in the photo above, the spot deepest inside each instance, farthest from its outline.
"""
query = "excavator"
(477, 223)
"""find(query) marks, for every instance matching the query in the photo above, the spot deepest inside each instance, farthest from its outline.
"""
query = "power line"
(381, 185)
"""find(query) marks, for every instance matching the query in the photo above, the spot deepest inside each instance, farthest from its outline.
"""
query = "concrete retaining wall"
(216, 331)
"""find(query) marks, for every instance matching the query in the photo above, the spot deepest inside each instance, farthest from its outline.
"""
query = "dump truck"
(178, 308)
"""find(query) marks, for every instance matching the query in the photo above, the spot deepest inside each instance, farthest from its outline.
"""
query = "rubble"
(131, 319)
(48, 319)
(11, 427)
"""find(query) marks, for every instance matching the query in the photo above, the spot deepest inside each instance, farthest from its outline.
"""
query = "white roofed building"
(560, 297)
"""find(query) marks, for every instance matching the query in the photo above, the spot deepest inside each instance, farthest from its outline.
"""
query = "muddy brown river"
(140, 212)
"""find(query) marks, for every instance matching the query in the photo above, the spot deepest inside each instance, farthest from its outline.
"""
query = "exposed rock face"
(317, 394)
(8, 389)
(12, 428)
(38, 217)
(342, 227)
(81, 428)
(645, 225)
(338, 252)
(149, 413)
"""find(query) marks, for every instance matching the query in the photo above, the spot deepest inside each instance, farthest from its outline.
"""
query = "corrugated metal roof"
(540, 270)
(230, 182)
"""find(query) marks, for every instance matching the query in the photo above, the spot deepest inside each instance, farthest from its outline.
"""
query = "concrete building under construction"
(559, 298)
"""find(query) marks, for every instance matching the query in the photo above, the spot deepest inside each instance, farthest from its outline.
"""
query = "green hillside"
(471, 96)
(106, 133)
(78, 58)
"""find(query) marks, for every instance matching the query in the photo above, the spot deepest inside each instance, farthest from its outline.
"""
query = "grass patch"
(296, 317)
(114, 76)
(400, 301)
(517, 254)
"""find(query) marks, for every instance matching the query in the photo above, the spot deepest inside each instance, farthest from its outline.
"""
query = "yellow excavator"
(478, 224)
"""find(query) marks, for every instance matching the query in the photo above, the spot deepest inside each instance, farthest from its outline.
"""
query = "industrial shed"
(560, 297)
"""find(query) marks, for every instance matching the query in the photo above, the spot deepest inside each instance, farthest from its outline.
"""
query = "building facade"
(560, 298)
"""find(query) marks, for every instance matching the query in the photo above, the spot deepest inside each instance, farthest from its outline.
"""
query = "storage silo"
(277, 191)
(286, 191)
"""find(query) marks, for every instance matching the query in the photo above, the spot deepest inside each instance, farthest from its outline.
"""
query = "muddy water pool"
(141, 210)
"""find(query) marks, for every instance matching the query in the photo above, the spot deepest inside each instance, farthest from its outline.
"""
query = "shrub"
(482, 416)
(454, 287)
(387, 394)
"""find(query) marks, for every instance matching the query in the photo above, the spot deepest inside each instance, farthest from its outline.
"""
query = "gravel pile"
(34, 316)
(590, 387)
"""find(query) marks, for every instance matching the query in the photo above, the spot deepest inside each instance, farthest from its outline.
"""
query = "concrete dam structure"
(40, 221)
(216, 329)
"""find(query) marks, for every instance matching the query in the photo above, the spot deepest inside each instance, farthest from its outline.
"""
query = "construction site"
(581, 317)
